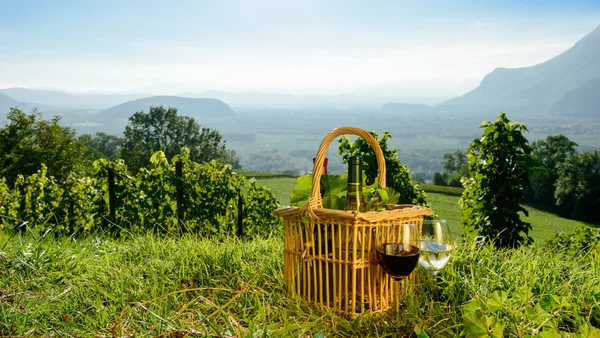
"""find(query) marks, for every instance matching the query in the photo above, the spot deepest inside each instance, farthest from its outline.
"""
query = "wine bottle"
(354, 192)
(324, 183)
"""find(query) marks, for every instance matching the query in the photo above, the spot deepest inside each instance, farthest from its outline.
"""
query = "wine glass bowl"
(398, 259)
(398, 251)
(398, 254)
(435, 245)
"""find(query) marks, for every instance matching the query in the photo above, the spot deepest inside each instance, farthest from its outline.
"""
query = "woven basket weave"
(329, 256)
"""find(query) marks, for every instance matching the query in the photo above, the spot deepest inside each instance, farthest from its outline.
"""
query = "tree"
(397, 175)
(27, 141)
(454, 161)
(102, 145)
(455, 167)
(418, 177)
(162, 129)
(547, 155)
(578, 185)
(438, 179)
(499, 163)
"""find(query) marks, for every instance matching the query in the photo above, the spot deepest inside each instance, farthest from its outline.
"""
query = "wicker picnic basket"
(329, 255)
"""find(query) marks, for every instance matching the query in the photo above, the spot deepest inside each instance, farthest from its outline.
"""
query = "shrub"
(144, 202)
(499, 163)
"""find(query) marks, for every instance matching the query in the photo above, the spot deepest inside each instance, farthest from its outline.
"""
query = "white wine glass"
(398, 255)
(435, 244)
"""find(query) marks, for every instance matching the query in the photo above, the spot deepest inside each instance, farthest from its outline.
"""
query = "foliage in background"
(547, 155)
(438, 179)
(454, 167)
(102, 145)
(446, 190)
(161, 129)
(499, 163)
(259, 204)
(27, 141)
(578, 241)
(397, 175)
(144, 202)
(578, 185)
(210, 196)
(271, 160)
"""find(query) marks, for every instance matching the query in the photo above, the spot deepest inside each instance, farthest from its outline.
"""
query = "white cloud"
(478, 24)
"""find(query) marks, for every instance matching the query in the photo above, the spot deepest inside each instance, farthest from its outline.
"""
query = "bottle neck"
(354, 170)
(354, 193)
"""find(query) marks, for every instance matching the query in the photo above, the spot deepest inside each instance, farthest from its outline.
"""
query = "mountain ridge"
(7, 102)
(63, 99)
(198, 108)
(541, 88)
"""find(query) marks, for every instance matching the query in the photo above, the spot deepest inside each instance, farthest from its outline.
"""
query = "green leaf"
(420, 333)
(383, 195)
(587, 331)
(335, 193)
(472, 306)
(301, 191)
(476, 323)
(496, 301)
(497, 326)
(523, 293)
(551, 333)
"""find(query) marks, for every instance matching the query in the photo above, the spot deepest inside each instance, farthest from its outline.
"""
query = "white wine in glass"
(435, 245)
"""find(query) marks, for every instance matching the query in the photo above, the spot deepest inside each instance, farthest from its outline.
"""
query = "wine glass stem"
(397, 294)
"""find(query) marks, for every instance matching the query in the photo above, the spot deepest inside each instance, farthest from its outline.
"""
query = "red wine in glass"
(397, 259)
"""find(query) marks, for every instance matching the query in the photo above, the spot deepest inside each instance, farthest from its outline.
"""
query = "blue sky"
(425, 48)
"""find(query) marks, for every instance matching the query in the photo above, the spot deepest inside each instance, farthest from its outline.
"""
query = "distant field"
(261, 174)
(544, 224)
(280, 186)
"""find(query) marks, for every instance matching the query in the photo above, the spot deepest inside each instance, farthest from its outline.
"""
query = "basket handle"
(315, 200)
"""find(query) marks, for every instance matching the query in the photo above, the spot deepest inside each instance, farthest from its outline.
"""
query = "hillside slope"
(200, 109)
(57, 98)
(7, 102)
(566, 84)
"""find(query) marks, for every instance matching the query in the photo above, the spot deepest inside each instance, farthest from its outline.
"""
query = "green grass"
(281, 187)
(455, 191)
(446, 207)
(173, 287)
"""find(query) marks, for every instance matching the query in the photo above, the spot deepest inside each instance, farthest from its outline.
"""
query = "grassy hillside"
(544, 225)
(445, 203)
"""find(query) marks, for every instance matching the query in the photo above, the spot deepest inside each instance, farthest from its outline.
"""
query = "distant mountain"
(275, 100)
(198, 108)
(567, 84)
(406, 108)
(7, 102)
(62, 99)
